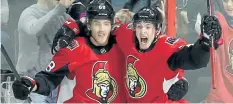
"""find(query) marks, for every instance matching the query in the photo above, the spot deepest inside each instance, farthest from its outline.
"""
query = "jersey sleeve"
(124, 36)
(49, 79)
(64, 62)
(189, 57)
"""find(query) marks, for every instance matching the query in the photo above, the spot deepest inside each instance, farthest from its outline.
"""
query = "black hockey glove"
(178, 90)
(22, 89)
(210, 27)
(66, 34)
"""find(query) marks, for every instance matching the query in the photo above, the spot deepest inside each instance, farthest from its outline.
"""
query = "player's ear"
(159, 29)
(88, 26)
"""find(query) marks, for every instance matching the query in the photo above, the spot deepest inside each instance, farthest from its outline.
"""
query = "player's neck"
(93, 41)
(46, 4)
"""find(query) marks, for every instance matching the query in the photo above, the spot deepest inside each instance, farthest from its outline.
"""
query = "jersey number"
(101, 7)
(50, 66)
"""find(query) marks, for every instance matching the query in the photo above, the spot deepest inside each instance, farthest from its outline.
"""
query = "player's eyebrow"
(95, 21)
(147, 24)
(107, 22)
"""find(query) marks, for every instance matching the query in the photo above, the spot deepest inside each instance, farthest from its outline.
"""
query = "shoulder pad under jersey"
(161, 36)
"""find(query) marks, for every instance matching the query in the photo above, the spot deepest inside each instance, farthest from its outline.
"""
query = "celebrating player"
(95, 61)
(153, 60)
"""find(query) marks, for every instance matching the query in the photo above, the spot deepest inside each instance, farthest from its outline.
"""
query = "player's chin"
(230, 12)
(102, 41)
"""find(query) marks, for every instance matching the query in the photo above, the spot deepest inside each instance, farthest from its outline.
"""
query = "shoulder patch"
(73, 45)
(171, 40)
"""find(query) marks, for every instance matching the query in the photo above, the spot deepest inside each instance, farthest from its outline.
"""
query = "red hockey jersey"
(148, 76)
(223, 66)
(99, 77)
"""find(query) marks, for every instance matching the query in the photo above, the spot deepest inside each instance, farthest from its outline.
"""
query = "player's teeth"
(101, 34)
(143, 40)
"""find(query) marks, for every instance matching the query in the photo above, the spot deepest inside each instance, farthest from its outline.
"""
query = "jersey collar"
(101, 49)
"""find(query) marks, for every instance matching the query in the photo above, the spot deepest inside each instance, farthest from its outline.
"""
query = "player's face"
(145, 33)
(228, 6)
(104, 89)
(132, 83)
(100, 30)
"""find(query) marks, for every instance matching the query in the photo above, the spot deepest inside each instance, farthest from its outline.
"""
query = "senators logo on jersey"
(104, 87)
(229, 68)
(135, 83)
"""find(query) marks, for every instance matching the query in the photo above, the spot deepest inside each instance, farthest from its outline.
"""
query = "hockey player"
(224, 57)
(172, 90)
(99, 83)
(94, 61)
(153, 59)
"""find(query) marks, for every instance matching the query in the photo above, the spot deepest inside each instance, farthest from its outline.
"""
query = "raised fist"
(210, 27)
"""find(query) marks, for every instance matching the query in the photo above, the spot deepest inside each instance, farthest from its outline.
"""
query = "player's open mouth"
(101, 35)
(144, 40)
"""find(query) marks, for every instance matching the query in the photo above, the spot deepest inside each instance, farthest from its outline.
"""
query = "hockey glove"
(178, 90)
(210, 27)
(65, 35)
(22, 89)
